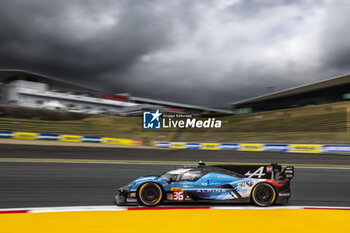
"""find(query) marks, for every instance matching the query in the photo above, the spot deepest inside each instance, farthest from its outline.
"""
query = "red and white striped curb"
(116, 208)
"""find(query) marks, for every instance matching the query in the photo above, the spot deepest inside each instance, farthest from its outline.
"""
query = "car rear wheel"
(150, 194)
(263, 194)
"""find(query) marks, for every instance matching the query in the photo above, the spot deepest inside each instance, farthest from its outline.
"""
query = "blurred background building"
(32, 90)
(328, 91)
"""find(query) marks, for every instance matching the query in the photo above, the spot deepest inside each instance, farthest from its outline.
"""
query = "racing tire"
(150, 194)
(263, 195)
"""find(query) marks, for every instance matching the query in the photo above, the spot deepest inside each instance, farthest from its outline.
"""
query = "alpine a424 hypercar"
(261, 185)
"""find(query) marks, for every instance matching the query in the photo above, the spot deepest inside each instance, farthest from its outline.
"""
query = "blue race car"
(261, 185)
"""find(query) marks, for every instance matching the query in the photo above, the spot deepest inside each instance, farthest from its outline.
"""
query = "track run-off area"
(37, 176)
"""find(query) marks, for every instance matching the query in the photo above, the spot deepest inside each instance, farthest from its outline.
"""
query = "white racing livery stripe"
(117, 208)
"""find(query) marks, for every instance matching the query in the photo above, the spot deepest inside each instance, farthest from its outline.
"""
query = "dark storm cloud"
(80, 39)
(201, 51)
(252, 8)
(335, 38)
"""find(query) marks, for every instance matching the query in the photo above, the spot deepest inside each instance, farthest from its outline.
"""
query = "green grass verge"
(313, 124)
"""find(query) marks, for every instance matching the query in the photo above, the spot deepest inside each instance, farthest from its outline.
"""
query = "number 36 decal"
(178, 196)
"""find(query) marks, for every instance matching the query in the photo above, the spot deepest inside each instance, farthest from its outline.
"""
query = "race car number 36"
(178, 196)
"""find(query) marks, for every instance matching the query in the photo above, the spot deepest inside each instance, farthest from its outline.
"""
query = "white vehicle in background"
(54, 105)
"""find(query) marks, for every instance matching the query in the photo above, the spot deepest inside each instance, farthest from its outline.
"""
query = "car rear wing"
(260, 171)
(287, 173)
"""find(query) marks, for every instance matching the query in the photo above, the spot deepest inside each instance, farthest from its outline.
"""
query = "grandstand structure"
(23, 88)
(331, 90)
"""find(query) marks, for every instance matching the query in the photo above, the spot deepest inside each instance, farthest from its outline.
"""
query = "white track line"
(343, 168)
(76, 208)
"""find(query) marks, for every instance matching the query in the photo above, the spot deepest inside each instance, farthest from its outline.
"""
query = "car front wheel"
(150, 194)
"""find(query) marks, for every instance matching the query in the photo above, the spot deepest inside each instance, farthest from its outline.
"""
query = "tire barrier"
(66, 138)
(296, 148)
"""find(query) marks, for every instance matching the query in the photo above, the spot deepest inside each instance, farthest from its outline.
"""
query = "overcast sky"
(207, 52)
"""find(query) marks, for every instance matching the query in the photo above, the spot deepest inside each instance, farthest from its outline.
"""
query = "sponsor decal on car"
(245, 192)
(269, 169)
(176, 189)
(258, 173)
(211, 190)
(178, 196)
(284, 194)
(169, 196)
(245, 184)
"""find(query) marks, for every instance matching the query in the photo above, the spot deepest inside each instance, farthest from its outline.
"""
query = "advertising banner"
(336, 149)
(6, 134)
(46, 136)
(305, 148)
(91, 139)
(210, 146)
(163, 144)
(66, 138)
(178, 145)
(117, 141)
(192, 145)
(276, 147)
(251, 147)
(229, 146)
(25, 135)
(70, 138)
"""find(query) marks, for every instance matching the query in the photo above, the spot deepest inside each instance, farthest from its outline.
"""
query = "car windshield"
(191, 175)
(174, 174)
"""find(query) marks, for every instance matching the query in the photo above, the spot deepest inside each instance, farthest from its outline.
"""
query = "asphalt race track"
(73, 184)
(39, 184)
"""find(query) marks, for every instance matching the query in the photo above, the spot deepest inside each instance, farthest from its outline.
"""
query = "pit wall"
(296, 148)
(66, 138)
